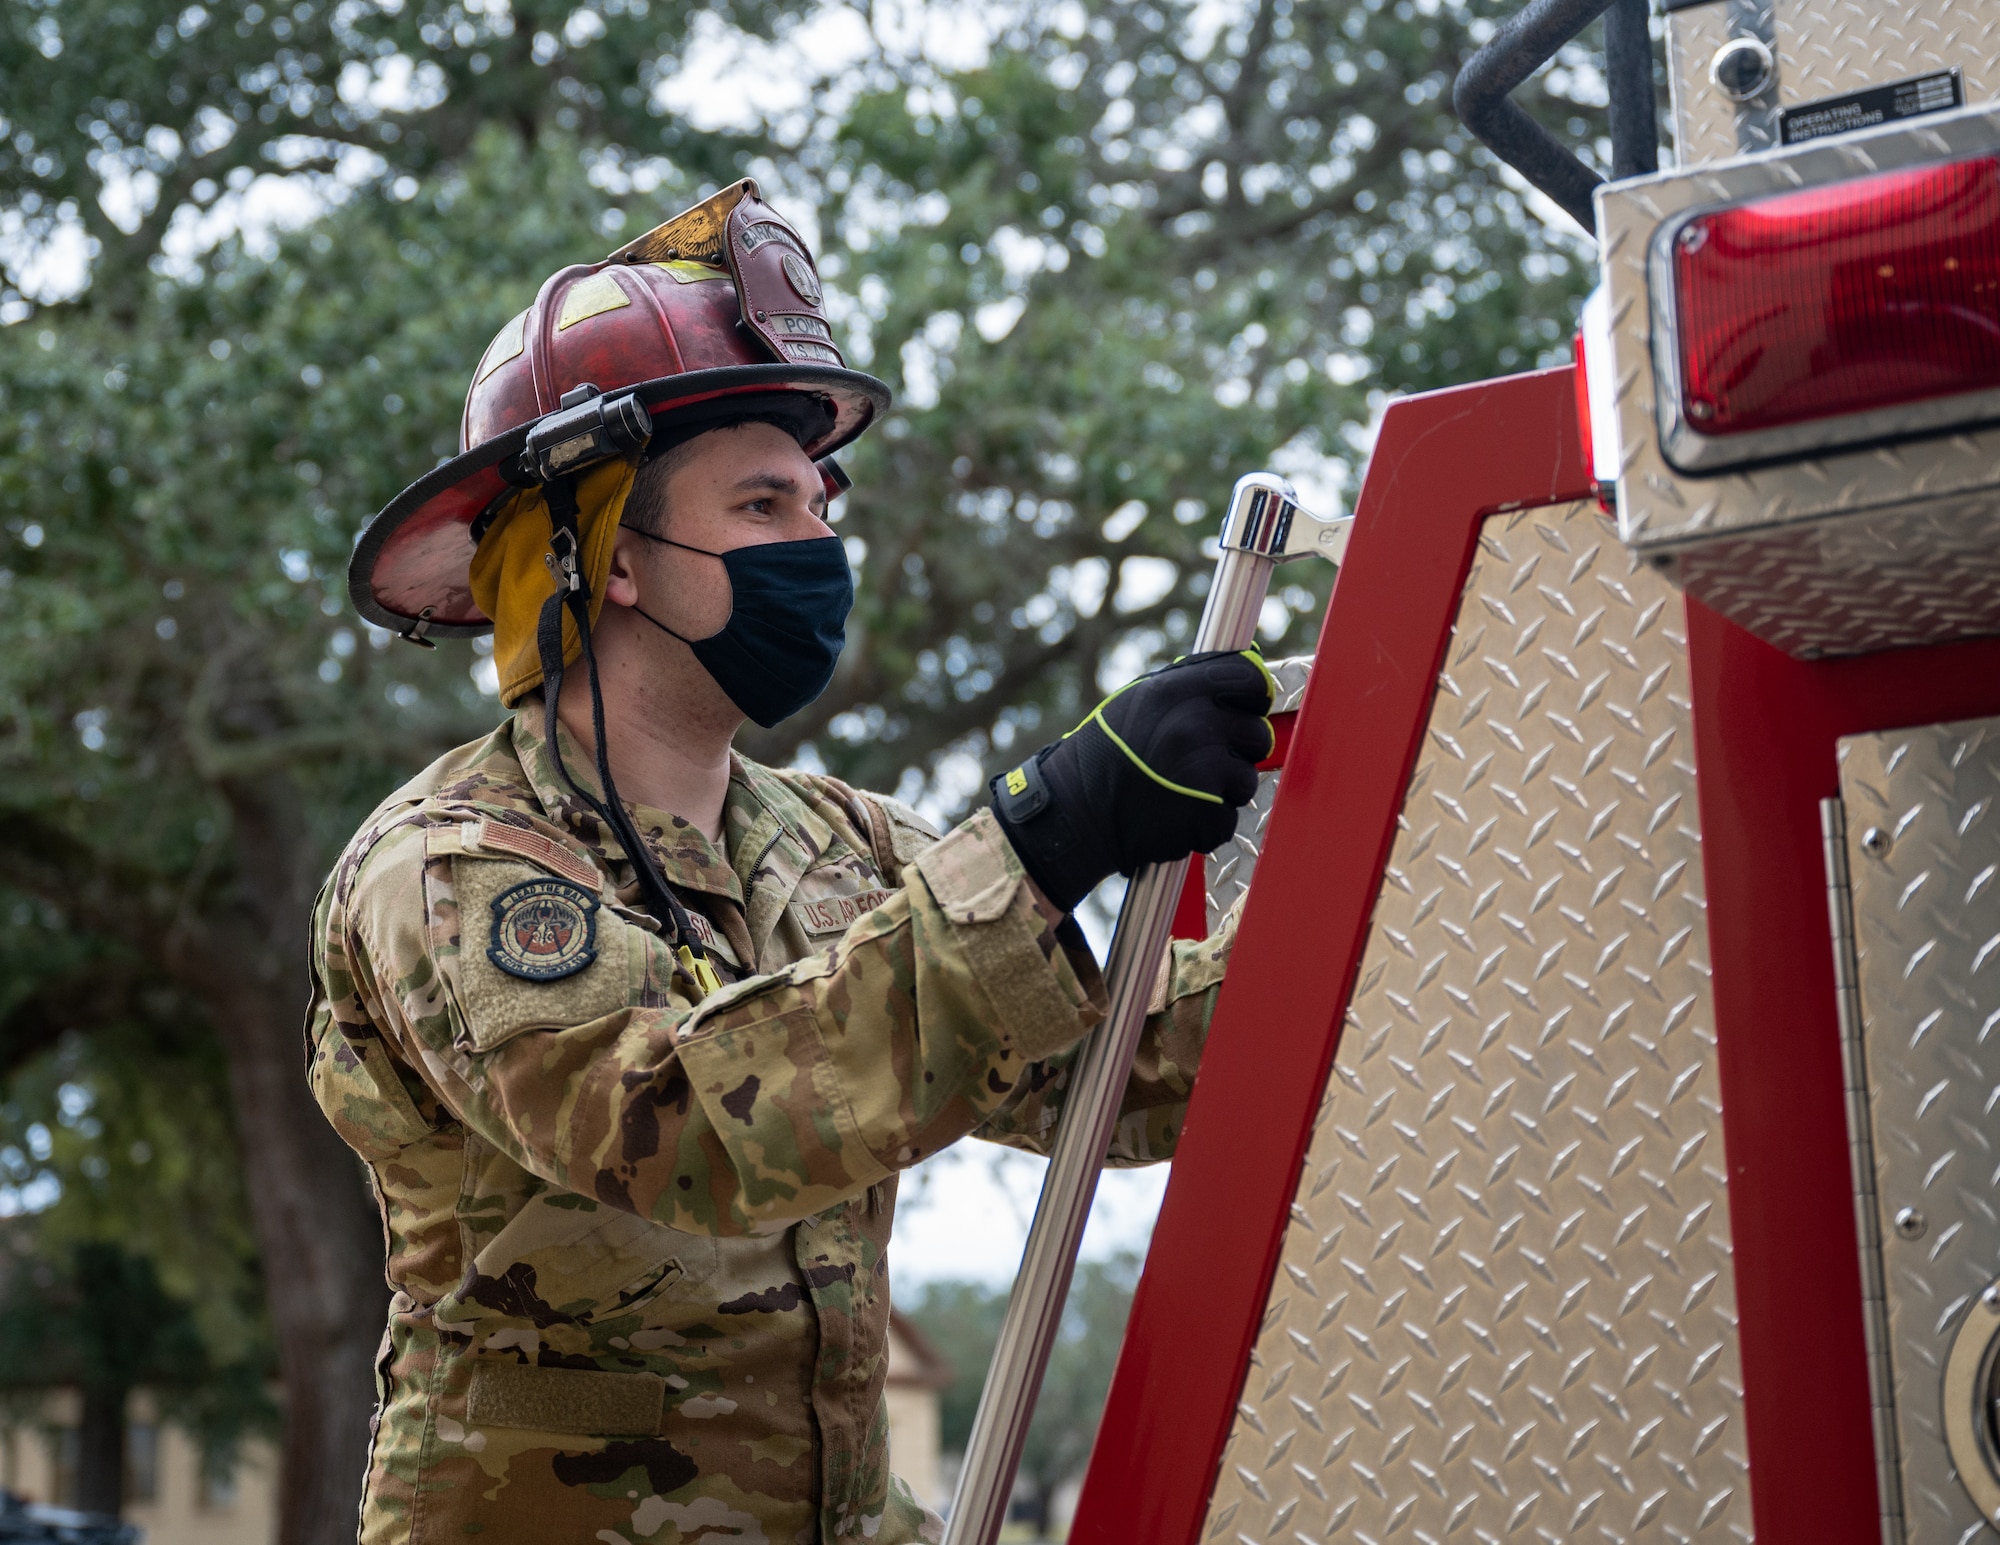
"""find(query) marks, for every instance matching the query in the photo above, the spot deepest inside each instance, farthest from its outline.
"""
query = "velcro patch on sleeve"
(576, 1402)
(535, 951)
(909, 833)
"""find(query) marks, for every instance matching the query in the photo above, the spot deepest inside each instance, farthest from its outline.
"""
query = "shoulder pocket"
(973, 873)
(537, 951)
(897, 833)
(909, 833)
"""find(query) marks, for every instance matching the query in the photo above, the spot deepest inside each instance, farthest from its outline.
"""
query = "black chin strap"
(572, 590)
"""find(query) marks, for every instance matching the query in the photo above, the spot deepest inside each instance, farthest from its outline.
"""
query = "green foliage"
(962, 1320)
(182, 498)
(1212, 251)
(125, 120)
(133, 1141)
(96, 1316)
(1110, 271)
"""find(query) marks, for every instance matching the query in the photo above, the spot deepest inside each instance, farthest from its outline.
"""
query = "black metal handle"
(1527, 41)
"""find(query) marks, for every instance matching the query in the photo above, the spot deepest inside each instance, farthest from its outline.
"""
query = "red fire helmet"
(722, 302)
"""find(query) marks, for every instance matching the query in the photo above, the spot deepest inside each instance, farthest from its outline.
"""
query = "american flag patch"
(493, 837)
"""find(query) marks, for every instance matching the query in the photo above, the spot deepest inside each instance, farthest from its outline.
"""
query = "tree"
(125, 121)
(188, 736)
(95, 1319)
(1127, 257)
(142, 1269)
(962, 1320)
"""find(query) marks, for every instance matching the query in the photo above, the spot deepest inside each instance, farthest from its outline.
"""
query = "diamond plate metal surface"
(1852, 551)
(1923, 848)
(1823, 48)
(1847, 586)
(1704, 119)
(1229, 868)
(1506, 1306)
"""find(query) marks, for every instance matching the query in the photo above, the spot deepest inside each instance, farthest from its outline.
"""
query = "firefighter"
(634, 1035)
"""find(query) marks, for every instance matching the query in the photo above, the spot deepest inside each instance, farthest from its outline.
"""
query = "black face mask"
(786, 623)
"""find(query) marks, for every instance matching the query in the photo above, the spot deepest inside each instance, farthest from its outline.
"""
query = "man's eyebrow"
(774, 482)
(779, 483)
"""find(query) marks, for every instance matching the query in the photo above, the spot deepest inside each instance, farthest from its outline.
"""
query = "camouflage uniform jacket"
(636, 1241)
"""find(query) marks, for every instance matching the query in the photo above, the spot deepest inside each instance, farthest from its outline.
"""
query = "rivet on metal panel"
(1875, 842)
(1755, 21)
(1910, 1223)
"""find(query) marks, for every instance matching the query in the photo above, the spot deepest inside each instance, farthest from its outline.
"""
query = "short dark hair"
(646, 506)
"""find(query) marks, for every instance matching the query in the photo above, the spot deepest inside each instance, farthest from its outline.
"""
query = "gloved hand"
(1156, 772)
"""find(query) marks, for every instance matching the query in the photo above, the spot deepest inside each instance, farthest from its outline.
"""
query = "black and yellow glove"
(1156, 772)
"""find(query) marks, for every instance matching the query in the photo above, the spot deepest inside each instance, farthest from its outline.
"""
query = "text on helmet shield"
(777, 285)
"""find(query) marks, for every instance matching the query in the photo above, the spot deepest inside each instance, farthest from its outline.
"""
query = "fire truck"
(1599, 1134)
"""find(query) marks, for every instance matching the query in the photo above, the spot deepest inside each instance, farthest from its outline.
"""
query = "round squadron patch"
(543, 930)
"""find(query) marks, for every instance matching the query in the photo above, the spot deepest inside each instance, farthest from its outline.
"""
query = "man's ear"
(621, 581)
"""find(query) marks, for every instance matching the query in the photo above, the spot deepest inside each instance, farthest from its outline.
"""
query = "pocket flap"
(973, 873)
(535, 952)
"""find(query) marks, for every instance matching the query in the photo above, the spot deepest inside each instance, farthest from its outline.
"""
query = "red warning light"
(1859, 296)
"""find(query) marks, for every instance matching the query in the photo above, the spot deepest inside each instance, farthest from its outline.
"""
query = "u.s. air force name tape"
(836, 914)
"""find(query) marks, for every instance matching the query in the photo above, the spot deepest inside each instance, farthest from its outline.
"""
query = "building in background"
(916, 1373)
(176, 1503)
(167, 1492)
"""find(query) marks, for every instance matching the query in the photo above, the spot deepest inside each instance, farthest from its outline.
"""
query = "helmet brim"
(410, 572)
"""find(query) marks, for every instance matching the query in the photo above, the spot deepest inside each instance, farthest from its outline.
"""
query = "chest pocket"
(565, 1258)
(536, 951)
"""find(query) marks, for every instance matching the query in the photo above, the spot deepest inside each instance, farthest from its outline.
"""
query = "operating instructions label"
(1864, 109)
